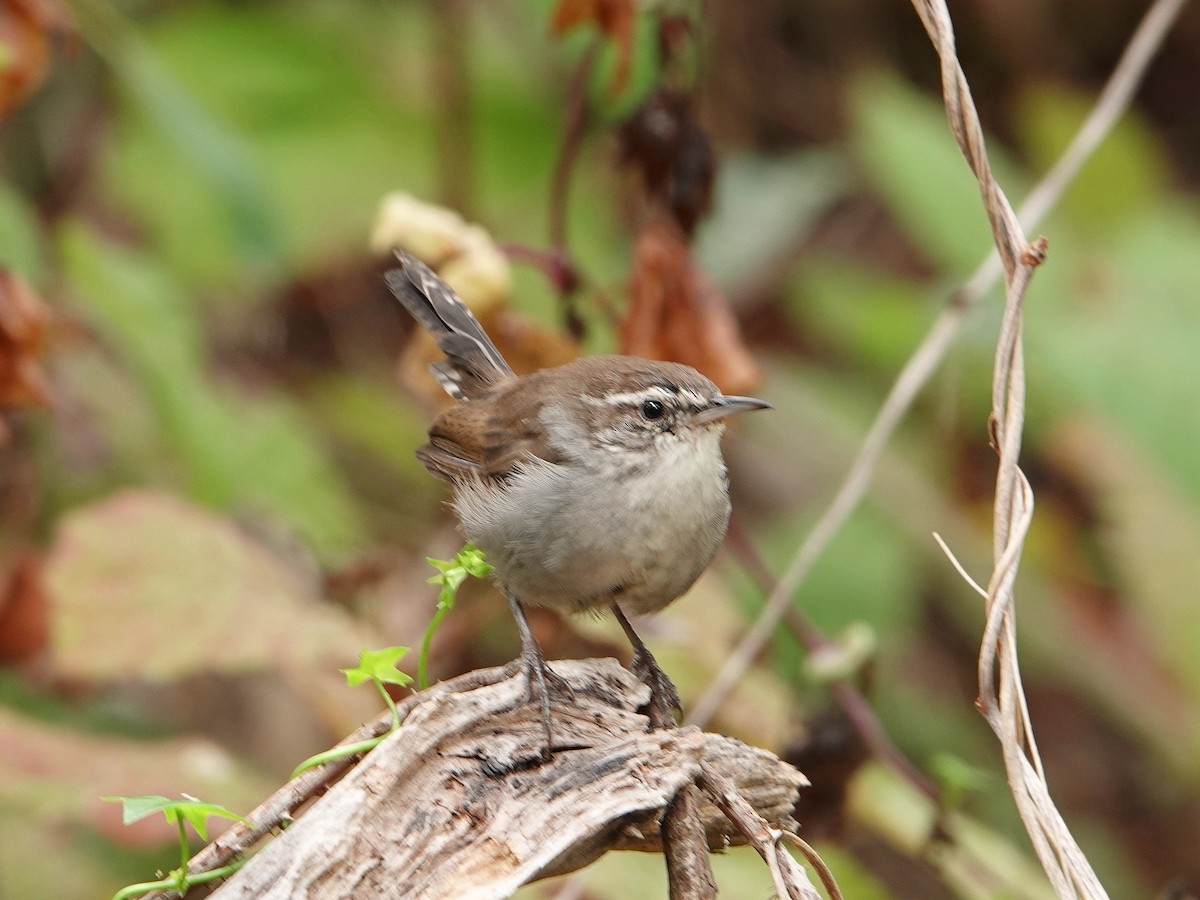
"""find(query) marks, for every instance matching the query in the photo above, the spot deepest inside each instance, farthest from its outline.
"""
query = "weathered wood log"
(458, 803)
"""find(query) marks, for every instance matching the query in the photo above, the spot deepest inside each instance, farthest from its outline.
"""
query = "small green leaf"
(193, 811)
(196, 813)
(134, 809)
(442, 565)
(379, 665)
(469, 561)
(473, 560)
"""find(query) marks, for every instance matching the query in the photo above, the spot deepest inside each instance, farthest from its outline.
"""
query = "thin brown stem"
(790, 879)
(574, 127)
(451, 85)
(852, 702)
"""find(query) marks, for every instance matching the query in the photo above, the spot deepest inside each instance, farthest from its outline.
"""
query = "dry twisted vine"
(1001, 694)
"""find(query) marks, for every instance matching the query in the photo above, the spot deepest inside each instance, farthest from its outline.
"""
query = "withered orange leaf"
(23, 319)
(26, 27)
(613, 17)
(24, 612)
(676, 314)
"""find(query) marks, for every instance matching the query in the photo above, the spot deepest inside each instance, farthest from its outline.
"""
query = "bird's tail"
(472, 361)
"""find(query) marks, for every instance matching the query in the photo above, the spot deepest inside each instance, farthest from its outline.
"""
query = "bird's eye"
(652, 409)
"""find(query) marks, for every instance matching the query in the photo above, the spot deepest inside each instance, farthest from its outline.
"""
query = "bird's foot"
(664, 698)
(540, 680)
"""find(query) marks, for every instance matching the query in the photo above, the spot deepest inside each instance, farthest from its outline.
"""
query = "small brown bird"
(597, 484)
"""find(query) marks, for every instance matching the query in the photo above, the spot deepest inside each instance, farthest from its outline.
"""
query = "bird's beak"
(723, 407)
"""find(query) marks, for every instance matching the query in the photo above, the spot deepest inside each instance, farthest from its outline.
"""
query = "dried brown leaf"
(676, 314)
(666, 143)
(613, 17)
(23, 320)
(24, 612)
(26, 30)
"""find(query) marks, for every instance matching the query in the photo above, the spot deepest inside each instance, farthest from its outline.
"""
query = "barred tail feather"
(473, 363)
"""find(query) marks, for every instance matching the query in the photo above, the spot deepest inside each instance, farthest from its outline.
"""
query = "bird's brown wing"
(489, 437)
(445, 463)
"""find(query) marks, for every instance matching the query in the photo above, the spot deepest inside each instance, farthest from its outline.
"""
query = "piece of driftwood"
(460, 804)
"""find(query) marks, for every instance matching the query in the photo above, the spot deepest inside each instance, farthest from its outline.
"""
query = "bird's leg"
(539, 677)
(664, 698)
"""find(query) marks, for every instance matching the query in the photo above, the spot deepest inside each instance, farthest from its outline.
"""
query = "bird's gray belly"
(576, 543)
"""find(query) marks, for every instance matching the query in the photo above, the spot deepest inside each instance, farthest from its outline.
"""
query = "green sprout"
(468, 562)
(378, 667)
(182, 812)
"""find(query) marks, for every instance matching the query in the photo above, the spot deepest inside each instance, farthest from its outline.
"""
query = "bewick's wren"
(595, 484)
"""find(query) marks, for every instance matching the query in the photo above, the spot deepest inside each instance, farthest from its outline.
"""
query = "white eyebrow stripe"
(654, 392)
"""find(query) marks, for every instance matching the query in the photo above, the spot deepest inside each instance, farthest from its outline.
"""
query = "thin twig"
(852, 702)
(574, 127)
(814, 859)
(958, 567)
(450, 84)
(789, 877)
